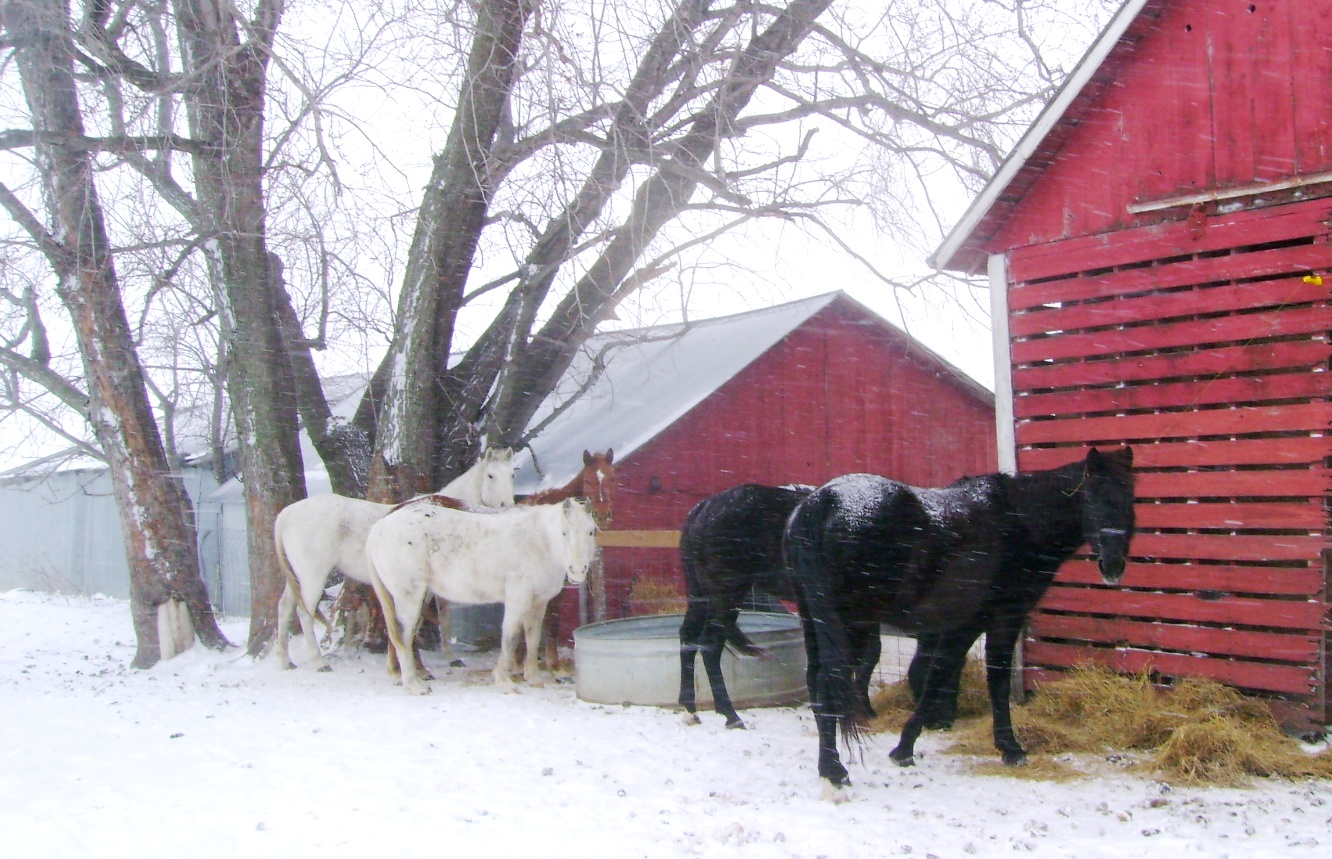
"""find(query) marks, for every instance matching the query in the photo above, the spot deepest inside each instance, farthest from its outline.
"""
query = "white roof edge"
(1045, 122)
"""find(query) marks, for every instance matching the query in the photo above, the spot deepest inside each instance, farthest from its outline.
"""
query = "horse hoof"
(906, 759)
(326, 669)
(735, 724)
(457, 663)
(692, 719)
(1015, 759)
(290, 666)
(836, 793)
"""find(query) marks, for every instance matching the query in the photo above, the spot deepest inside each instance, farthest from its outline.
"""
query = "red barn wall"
(1201, 337)
(841, 394)
(1219, 94)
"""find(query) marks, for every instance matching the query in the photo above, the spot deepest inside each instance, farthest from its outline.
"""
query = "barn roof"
(964, 249)
(652, 377)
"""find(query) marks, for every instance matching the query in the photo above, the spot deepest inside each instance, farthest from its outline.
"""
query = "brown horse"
(595, 484)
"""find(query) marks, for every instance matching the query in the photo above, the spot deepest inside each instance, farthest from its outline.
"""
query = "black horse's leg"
(928, 647)
(691, 633)
(868, 647)
(944, 661)
(927, 644)
(1000, 643)
(830, 762)
(714, 640)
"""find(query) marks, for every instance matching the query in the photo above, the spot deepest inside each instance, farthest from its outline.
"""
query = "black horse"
(730, 544)
(947, 564)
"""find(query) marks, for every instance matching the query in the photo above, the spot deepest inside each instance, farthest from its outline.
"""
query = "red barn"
(1158, 252)
(798, 393)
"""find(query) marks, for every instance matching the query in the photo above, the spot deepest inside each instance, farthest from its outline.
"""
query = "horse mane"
(434, 499)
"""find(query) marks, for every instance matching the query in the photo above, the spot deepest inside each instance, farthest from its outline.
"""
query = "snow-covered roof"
(963, 248)
(652, 377)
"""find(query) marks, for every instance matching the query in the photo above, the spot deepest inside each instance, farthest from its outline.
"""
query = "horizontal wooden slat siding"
(1275, 646)
(1173, 335)
(1189, 608)
(1226, 547)
(1231, 516)
(1303, 417)
(1208, 352)
(1308, 450)
(1255, 676)
(1211, 362)
(1128, 307)
(1222, 232)
(1205, 579)
(1171, 395)
(1050, 299)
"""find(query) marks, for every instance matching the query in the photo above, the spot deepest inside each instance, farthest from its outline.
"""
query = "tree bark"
(453, 210)
(155, 511)
(226, 109)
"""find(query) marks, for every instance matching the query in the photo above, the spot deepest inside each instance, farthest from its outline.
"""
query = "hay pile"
(1197, 733)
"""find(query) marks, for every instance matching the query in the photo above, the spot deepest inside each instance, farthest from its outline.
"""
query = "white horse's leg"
(409, 618)
(286, 608)
(402, 614)
(445, 612)
(532, 621)
(509, 631)
(307, 605)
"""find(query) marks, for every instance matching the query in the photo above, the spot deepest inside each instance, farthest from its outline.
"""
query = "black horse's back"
(732, 541)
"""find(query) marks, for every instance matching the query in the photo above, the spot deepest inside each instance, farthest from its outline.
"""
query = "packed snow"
(216, 755)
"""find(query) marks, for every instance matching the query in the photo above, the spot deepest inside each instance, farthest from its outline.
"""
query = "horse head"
(578, 533)
(599, 484)
(1107, 509)
(497, 477)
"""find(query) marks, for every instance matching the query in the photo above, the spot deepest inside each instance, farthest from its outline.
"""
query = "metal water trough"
(636, 660)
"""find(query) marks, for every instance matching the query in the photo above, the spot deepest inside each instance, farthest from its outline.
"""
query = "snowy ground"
(213, 755)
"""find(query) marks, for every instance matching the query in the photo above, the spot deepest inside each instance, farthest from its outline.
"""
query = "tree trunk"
(453, 210)
(226, 107)
(155, 511)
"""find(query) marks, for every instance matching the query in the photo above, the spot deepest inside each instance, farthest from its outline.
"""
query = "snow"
(215, 755)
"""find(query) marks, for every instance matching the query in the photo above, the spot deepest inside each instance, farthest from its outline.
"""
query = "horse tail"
(386, 605)
(828, 647)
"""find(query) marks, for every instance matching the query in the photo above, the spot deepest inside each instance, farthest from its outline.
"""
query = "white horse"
(519, 556)
(321, 533)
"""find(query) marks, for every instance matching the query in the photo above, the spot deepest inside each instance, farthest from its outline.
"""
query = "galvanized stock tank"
(636, 660)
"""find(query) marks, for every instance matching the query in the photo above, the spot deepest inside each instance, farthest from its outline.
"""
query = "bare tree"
(154, 508)
(594, 153)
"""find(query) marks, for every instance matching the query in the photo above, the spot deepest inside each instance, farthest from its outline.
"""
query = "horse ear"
(587, 457)
(1095, 461)
(1127, 456)
(610, 456)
